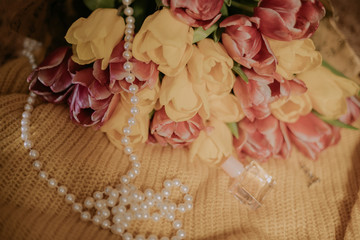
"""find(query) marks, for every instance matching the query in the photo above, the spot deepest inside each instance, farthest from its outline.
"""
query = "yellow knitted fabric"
(85, 161)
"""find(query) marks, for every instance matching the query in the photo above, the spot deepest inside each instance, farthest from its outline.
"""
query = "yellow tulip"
(294, 56)
(289, 109)
(215, 68)
(96, 36)
(164, 40)
(328, 92)
(226, 108)
(213, 144)
(183, 97)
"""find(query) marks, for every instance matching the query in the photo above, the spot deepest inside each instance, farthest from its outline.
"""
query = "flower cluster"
(215, 78)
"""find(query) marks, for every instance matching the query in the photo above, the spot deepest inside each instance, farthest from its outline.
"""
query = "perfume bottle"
(250, 183)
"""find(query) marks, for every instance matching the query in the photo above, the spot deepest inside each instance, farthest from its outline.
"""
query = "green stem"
(242, 6)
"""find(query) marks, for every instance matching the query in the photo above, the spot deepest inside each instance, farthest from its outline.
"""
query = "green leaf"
(217, 34)
(334, 122)
(200, 33)
(228, 2)
(224, 11)
(237, 69)
(159, 3)
(331, 68)
(151, 114)
(94, 4)
(234, 129)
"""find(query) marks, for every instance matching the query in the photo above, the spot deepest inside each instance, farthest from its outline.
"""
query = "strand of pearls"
(115, 208)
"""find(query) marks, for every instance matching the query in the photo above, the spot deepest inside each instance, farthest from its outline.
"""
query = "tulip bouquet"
(214, 76)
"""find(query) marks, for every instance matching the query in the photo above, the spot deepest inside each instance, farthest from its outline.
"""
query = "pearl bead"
(85, 216)
(129, 31)
(98, 195)
(62, 190)
(127, 236)
(52, 183)
(124, 190)
(130, 19)
(107, 190)
(28, 144)
(124, 200)
(177, 224)
(30, 100)
(97, 220)
(127, 55)
(105, 224)
(133, 88)
(136, 164)
(158, 197)
(188, 198)
(170, 217)
(26, 114)
(111, 202)
(127, 131)
(131, 174)
(155, 217)
(130, 26)
(128, 150)
(133, 157)
(32, 94)
(37, 165)
(89, 202)
(118, 218)
(152, 237)
(136, 171)
(176, 182)
(24, 136)
(43, 175)
(124, 179)
(25, 121)
(100, 204)
(182, 208)
(127, 45)
(184, 189)
(126, 2)
(114, 193)
(140, 237)
(167, 184)
(34, 154)
(128, 66)
(144, 206)
(28, 107)
(117, 229)
(181, 233)
(128, 38)
(134, 110)
(172, 206)
(105, 213)
(149, 193)
(134, 100)
(70, 198)
(24, 129)
(175, 238)
(77, 207)
(189, 205)
(128, 11)
(166, 193)
(130, 78)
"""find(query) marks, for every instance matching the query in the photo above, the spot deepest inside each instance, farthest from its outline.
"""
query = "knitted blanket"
(84, 160)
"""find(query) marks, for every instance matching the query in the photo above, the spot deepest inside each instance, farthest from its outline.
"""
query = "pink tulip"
(262, 139)
(166, 131)
(256, 95)
(146, 74)
(91, 102)
(246, 45)
(288, 20)
(353, 110)
(311, 135)
(52, 78)
(196, 13)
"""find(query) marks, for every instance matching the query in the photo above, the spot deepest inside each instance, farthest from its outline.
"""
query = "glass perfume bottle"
(250, 183)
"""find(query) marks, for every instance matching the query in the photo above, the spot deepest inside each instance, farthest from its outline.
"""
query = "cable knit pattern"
(85, 161)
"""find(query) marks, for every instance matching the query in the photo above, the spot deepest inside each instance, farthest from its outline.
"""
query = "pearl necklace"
(115, 207)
